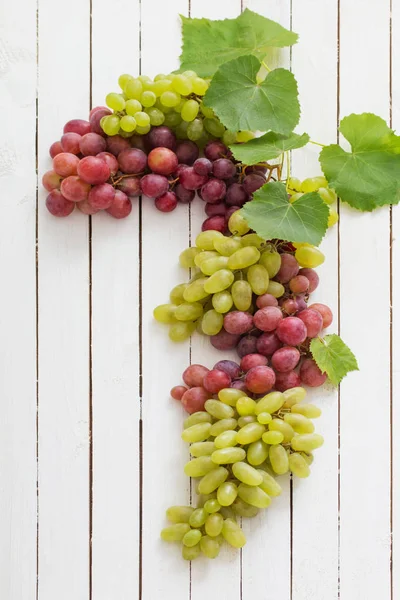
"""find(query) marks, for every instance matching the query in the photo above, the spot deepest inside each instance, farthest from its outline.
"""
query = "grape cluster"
(297, 188)
(239, 444)
(252, 295)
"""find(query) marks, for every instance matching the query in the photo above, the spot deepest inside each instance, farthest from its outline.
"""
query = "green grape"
(190, 74)
(327, 195)
(309, 458)
(191, 553)
(233, 534)
(243, 509)
(203, 256)
(300, 423)
(270, 403)
(198, 517)
(226, 439)
(212, 265)
(333, 217)
(284, 428)
(293, 184)
(182, 85)
(209, 546)
(200, 86)
(195, 130)
(161, 85)
(115, 101)
(250, 433)
(243, 258)
(258, 278)
(191, 538)
(227, 456)
(298, 465)
(230, 396)
(245, 136)
(245, 406)
(202, 448)
(188, 311)
(218, 409)
(123, 80)
(132, 107)
(178, 107)
(205, 239)
(308, 410)
(257, 453)
(237, 224)
(197, 467)
(206, 111)
(213, 524)
(175, 533)
(312, 184)
(309, 256)
(214, 126)
(133, 89)
(164, 109)
(242, 421)
(212, 506)
(279, 459)
(160, 76)
(148, 99)
(189, 110)
(176, 294)
(110, 124)
(181, 331)
(273, 438)
(195, 291)
(294, 396)
(222, 425)
(252, 239)
(295, 197)
(229, 137)
(156, 116)
(275, 289)
(242, 294)
(227, 245)
(142, 129)
(222, 301)
(196, 433)
(170, 99)
(210, 482)
(227, 493)
(254, 495)
(269, 484)
(198, 417)
(307, 442)
(219, 281)
(142, 119)
(212, 322)
(246, 473)
(128, 123)
(172, 120)
(271, 260)
(179, 514)
(165, 313)
(144, 78)
(264, 418)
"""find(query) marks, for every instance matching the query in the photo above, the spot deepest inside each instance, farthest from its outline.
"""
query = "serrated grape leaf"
(208, 44)
(270, 145)
(369, 175)
(242, 103)
(333, 357)
(272, 216)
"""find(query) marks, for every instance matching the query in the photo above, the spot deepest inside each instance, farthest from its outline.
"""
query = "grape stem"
(317, 143)
(121, 177)
(288, 170)
(266, 66)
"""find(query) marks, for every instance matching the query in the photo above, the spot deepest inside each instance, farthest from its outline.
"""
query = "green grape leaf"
(369, 175)
(333, 357)
(208, 44)
(243, 103)
(272, 216)
(270, 145)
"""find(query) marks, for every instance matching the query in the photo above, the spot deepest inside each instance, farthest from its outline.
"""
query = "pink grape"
(260, 380)
(154, 185)
(139, 141)
(203, 166)
(268, 343)
(86, 208)
(216, 380)
(70, 142)
(253, 182)
(253, 360)
(247, 345)
(215, 150)
(93, 170)
(185, 196)
(162, 161)
(161, 137)
(312, 277)
(192, 180)
(213, 191)
(132, 161)
(289, 306)
(238, 321)
(223, 168)
(116, 144)
(180, 168)
(77, 126)
(224, 340)
(312, 319)
(58, 205)
(194, 399)
(187, 152)
(238, 384)
(110, 160)
(268, 318)
(101, 196)
(217, 223)
(228, 366)
(65, 164)
(286, 381)
(121, 206)
(289, 268)
(194, 375)
(55, 149)
(291, 331)
(311, 374)
(299, 284)
(178, 391)
(97, 108)
(130, 186)
(325, 312)
(236, 195)
(92, 144)
(73, 188)
(213, 210)
(51, 181)
(266, 300)
(285, 359)
(301, 304)
(167, 202)
(96, 114)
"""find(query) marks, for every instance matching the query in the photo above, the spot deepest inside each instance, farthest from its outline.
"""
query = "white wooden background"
(90, 448)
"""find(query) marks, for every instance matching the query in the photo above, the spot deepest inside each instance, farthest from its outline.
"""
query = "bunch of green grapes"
(173, 100)
(238, 446)
(314, 184)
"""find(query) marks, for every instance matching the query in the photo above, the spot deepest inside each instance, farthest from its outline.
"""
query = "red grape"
(185, 196)
(285, 381)
(291, 331)
(253, 182)
(70, 142)
(260, 380)
(92, 144)
(65, 164)
(55, 149)
(139, 141)
(93, 170)
(59, 206)
(96, 114)
(236, 195)
(224, 340)
(216, 380)
(132, 161)
(253, 360)
(193, 375)
(154, 185)
(238, 384)
(285, 359)
(51, 181)
(299, 284)
(101, 196)
(191, 180)
(213, 210)
(215, 150)
(166, 202)
(301, 304)
(223, 168)
(178, 391)
(312, 277)
(266, 300)
(268, 343)
(121, 206)
(325, 312)
(194, 399)
(268, 318)
(213, 191)
(161, 137)
(230, 211)
(77, 126)
(110, 160)
(238, 321)
(97, 108)
(289, 268)
(203, 166)
(216, 223)
(86, 208)
(289, 306)
(116, 144)
(229, 366)
(75, 189)
(311, 374)
(162, 161)
(312, 319)
(247, 345)
(187, 152)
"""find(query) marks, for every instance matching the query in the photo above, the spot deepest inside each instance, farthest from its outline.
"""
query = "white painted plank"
(364, 249)
(17, 303)
(315, 500)
(164, 236)
(63, 320)
(115, 322)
